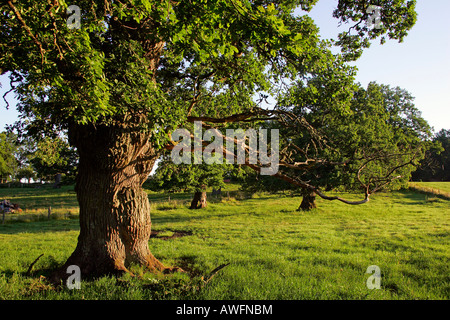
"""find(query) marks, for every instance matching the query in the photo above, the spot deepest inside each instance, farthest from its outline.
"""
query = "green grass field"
(273, 251)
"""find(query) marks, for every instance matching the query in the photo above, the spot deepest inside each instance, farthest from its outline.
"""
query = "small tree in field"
(189, 177)
(128, 73)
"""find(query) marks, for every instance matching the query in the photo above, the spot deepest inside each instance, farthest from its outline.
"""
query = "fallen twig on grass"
(32, 265)
(214, 272)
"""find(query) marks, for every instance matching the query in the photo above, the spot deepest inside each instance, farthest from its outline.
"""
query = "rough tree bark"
(309, 200)
(199, 200)
(115, 223)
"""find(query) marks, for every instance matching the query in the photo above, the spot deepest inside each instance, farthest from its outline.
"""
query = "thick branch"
(233, 118)
(257, 167)
(305, 185)
(281, 176)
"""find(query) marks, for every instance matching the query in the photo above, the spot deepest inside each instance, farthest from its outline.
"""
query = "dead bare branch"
(32, 265)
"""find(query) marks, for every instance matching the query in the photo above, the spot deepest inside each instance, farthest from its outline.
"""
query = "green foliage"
(53, 156)
(396, 19)
(149, 65)
(26, 173)
(160, 58)
(253, 182)
(436, 165)
(25, 157)
(8, 162)
(187, 177)
(365, 138)
(392, 137)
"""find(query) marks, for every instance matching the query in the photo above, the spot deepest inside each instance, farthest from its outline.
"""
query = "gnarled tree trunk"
(309, 200)
(115, 223)
(199, 200)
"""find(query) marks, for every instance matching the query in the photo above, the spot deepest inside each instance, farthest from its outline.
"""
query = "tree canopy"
(54, 156)
(162, 58)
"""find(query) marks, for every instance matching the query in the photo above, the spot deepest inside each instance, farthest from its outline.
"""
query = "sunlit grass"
(272, 251)
(440, 189)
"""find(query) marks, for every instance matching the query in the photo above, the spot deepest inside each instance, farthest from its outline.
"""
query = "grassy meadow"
(270, 250)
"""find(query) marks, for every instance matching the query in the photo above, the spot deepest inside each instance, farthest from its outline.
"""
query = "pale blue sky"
(421, 64)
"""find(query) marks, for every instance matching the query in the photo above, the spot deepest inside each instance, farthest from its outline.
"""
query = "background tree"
(189, 178)
(44, 157)
(251, 181)
(52, 157)
(436, 165)
(25, 146)
(136, 70)
(8, 162)
(26, 172)
(366, 139)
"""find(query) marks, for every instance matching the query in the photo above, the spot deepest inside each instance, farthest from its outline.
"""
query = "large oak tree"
(137, 69)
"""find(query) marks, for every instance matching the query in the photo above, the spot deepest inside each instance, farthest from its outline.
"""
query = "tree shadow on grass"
(51, 225)
(413, 198)
(57, 223)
